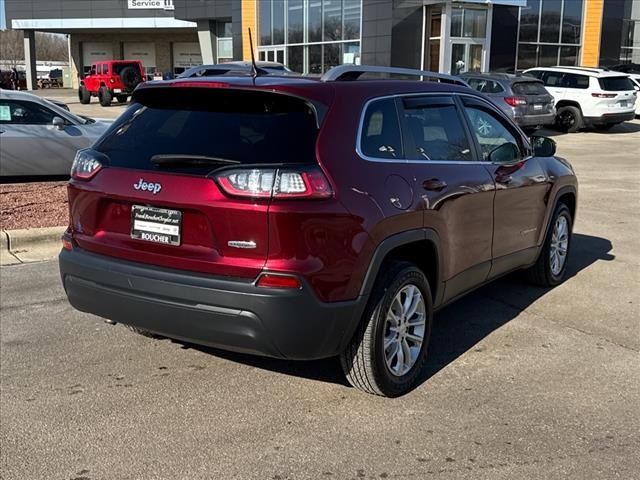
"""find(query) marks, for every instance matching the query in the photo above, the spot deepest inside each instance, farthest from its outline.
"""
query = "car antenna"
(255, 70)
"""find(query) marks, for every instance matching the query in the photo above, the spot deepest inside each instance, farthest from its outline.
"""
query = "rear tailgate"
(538, 100)
(617, 94)
(175, 214)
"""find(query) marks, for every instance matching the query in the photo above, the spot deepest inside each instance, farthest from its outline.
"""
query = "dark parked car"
(522, 97)
(235, 67)
(307, 218)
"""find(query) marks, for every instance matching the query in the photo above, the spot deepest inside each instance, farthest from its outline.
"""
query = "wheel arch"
(420, 247)
(568, 103)
(569, 196)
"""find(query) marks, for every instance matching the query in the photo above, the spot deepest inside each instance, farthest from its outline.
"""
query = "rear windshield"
(246, 127)
(118, 67)
(615, 84)
(529, 88)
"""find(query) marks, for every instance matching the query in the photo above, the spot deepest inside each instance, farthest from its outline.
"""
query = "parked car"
(53, 79)
(626, 68)
(234, 67)
(111, 79)
(635, 78)
(305, 218)
(38, 137)
(522, 97)
(7, 84)
(588, 96)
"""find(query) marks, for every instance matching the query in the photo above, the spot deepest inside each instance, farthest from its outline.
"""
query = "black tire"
(130, 78)
(606, 126)
(144, 333)
(122, 98)
(541, 273)
(363, 361)
(569, 119)
(84, 95)
(105, 97)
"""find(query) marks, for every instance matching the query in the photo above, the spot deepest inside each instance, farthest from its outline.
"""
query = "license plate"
(157, 225)
(537, 106)
(117, 90)
(623, 104)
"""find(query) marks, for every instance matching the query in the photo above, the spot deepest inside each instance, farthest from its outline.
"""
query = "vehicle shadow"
(456, 328)
(620, 129)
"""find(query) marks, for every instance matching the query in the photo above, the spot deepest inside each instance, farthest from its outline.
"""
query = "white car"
(588, 96)
(635, 78)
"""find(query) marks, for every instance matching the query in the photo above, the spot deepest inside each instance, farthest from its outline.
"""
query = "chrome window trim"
(423, 162)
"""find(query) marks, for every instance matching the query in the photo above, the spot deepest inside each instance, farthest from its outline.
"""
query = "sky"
(3, 19)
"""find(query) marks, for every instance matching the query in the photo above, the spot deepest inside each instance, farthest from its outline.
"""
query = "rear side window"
(552, 79)
(380, 134)
(241, 127)
(529, 88)
(485, 86)
(615, 84)
(435, 130)
(572, 80)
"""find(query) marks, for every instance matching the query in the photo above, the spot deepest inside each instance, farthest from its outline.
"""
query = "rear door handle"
(434, 185)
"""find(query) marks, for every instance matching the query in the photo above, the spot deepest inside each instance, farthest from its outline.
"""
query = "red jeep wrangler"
(115, 78)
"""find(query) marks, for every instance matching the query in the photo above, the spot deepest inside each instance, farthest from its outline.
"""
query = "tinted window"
(529, 88)
(616, 84)
(485, 86)
(380, 136)
(18, 112)
(572, 80)
(435, 130)
(552, 79)
(489, 129)
(245, 127)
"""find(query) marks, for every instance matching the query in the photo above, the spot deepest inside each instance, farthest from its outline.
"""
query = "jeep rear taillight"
(285, 183)
(87, 164)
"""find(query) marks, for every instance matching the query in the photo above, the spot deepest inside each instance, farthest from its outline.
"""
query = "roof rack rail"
(353, 72)
(580, 69)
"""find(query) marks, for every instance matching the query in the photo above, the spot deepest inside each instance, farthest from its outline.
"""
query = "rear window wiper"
(180, 159)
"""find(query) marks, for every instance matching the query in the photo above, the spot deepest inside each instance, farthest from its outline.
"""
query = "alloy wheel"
(404, 330)
(559, 245)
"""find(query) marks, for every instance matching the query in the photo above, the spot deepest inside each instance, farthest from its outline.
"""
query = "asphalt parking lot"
(522, 383)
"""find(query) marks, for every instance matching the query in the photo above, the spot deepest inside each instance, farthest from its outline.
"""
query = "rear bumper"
(610, 118)
(223, 313)
(535, 120)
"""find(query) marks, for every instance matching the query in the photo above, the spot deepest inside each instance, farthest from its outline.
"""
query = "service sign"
(150, 4)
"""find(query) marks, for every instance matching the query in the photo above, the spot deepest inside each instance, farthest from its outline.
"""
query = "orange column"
(592, 32)
(249, 16)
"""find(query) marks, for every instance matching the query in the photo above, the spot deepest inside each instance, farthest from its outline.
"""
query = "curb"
(29, 245)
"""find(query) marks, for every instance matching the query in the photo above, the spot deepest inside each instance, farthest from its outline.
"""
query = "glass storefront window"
(475, 23)
(529, 20)
(265, 23)
(295, 21)
(310, 36)
(296, 58)
(278, 22)
(315, 21)
(550, 33)
(571, 22)
(468, 22)
(550, 21)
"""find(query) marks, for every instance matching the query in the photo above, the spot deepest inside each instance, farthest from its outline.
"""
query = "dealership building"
(310, 36)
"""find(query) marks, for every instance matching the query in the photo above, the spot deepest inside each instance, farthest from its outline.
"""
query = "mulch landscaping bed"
(33, 205)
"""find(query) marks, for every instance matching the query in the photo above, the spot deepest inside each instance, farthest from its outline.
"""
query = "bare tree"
(49, 47)
(11, 47)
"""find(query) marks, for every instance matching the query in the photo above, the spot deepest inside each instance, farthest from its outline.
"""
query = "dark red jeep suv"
(307, 218)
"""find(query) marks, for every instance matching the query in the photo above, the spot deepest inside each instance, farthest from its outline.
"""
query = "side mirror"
(504, 154)
(543, 146)
(58, 123)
